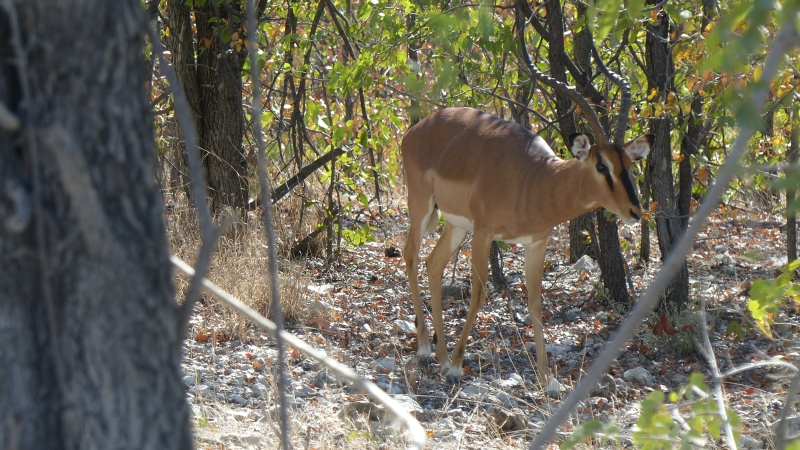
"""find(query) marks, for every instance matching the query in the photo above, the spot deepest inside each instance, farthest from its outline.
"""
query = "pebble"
(237, 399)
(385, 364)
(638, 375)
(403, 326)
(258, 390)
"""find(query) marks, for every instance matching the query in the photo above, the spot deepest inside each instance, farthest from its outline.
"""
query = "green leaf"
(338, 135)
(225, 34)
(363, 199)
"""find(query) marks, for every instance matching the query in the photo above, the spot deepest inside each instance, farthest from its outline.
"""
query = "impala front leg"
(448, 243)
(411, 256)
(481, 243)
(534, 271)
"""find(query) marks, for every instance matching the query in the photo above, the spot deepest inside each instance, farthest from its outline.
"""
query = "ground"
(360, 312)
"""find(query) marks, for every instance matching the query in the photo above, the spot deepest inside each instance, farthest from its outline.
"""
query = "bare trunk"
(92, 354)
(791, 194)
(669, 226)
(210, 72)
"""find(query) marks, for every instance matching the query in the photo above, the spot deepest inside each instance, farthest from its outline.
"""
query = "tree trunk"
(181, 46)
(644, 249)
(213, 85)
(668, 223)
(611, 261)
(791, 194)
(92, 352)
(612, 264)
(581, 228)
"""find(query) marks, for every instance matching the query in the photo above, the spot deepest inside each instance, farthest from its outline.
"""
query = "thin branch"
(189, 134)
(304, 173)
(275, 303)
(583, 104)
(788, 404)
(758, 365)
(708, 351)
(785, 40)
(625, 102)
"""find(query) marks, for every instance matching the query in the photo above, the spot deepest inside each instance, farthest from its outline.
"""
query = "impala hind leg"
(481, 243)
(419, 215)
(534, 270)
(447, 245)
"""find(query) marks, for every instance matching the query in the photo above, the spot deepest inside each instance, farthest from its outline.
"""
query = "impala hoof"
(452, 379)
(453, 375)
(425, 361)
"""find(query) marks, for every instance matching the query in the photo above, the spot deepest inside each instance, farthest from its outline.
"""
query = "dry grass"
(240, 266)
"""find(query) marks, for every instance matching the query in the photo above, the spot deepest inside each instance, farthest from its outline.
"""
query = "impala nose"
(636, 214)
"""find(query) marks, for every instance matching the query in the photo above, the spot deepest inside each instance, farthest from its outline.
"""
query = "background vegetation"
(343, 81)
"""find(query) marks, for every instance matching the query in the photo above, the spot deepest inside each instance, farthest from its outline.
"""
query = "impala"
(503, 182)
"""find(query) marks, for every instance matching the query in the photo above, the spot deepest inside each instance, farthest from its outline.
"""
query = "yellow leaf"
(653, 93)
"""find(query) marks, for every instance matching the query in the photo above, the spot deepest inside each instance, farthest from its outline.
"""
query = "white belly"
(522, 240)
(459, 221)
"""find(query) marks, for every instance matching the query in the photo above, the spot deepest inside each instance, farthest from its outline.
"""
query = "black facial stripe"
(626, 183)
(609, 180)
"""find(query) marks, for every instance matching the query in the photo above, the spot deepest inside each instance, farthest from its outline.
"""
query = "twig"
(275, 303)
(708, 351)
(780, 431)
(416, 432)
(785, 40)
(759, 364)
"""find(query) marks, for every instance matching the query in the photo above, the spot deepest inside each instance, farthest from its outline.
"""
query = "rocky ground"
(362, 315)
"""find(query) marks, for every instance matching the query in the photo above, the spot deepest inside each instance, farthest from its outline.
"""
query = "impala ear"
(640, 147)
(579, 145)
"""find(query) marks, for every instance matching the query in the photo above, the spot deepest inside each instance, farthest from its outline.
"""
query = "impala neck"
(577, 192)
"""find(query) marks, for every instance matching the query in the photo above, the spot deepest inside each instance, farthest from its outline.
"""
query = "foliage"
(347, 73)
(656, 429)
(766, 296)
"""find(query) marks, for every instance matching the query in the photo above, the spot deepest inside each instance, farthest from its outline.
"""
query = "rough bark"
(644, 248)
(791, 194)
(612, 263)
(581, 228)
(91, 347)
(668, 222)
(181, 46)
(210, 72)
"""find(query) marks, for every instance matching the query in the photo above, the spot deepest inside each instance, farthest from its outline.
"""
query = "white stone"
(402, 326)
(585, 264)
(387, 364)
(638, 375)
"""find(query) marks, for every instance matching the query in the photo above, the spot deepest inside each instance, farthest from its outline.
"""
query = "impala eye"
(601, 168)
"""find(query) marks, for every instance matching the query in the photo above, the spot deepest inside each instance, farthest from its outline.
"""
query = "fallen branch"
(281, 191)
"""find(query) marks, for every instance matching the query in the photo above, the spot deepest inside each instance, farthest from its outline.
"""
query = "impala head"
(610, 166)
